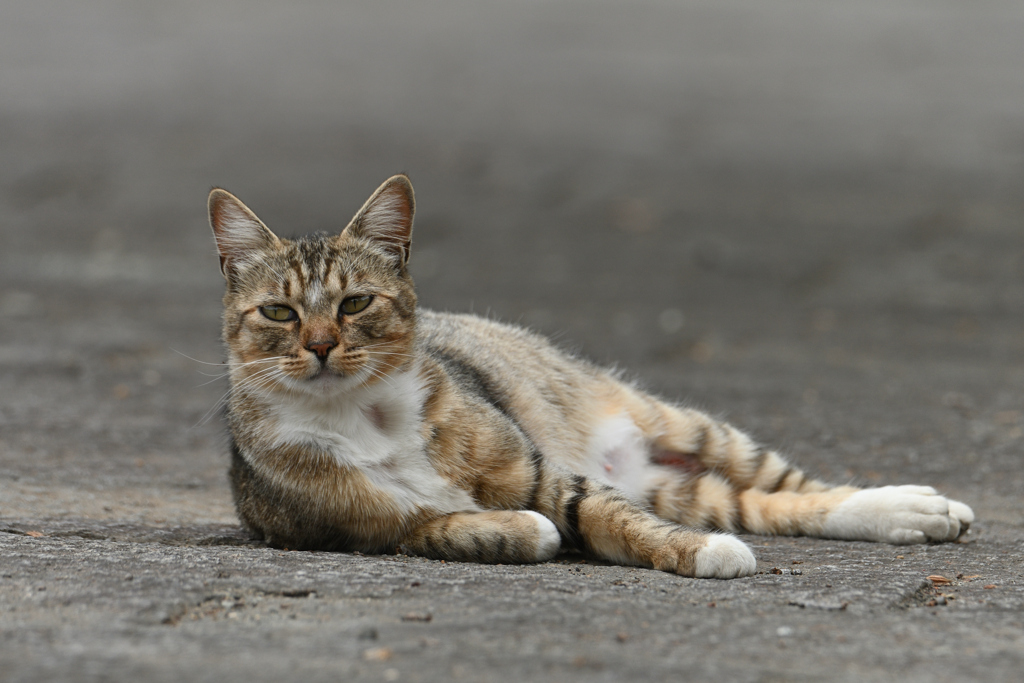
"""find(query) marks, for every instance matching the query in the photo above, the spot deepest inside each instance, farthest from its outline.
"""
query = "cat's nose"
(321, 348)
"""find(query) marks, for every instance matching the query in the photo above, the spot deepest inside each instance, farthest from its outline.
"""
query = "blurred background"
(803, 216)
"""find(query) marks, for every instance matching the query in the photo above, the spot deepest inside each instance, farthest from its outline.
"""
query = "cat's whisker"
(381, 363)
(387, 365)
(375, 371)
(389, 353)
(377, 363)
(262, 390)
(389, 342)
(216, 378)
(196, 360)
(270, 359)
(378, 344)
(379, 348)
(273, 360)
(260, 377)
(259, 372)
(382, 376)
(230, 364)
(244, 384)
(212, 411)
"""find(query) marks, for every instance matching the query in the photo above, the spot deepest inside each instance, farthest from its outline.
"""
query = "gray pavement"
(805, 217)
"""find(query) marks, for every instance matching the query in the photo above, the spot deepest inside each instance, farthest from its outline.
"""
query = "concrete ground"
(804, 217)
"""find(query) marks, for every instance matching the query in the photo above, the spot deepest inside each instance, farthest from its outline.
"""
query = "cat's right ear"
(237, 230)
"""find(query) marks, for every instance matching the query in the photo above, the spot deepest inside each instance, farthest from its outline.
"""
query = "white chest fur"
(377, 429)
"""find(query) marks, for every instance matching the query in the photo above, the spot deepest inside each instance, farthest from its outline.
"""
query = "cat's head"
(323, 313)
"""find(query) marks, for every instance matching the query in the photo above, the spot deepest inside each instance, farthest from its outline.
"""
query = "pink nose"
(321, 348)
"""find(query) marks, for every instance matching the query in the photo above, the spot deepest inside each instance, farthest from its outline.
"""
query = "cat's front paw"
(548, 538)
(724, 557)
(898, 514)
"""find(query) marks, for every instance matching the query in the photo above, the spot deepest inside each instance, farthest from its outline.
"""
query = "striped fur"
(454, 437)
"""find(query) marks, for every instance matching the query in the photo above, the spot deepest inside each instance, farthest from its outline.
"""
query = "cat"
(361, 423)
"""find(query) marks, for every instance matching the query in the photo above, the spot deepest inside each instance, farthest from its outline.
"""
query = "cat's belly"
(618, 455)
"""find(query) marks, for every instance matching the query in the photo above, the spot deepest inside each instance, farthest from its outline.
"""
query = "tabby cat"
(360, 422)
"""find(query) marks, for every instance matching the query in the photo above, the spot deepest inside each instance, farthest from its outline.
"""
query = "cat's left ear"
(239, 233)
(386, 217)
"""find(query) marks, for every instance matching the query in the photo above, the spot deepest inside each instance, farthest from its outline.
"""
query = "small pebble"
(417, 616)
(377, 654)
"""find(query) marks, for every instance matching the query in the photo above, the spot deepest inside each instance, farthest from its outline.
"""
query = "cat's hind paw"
(724, 557)
(901, 515)
(963, 514)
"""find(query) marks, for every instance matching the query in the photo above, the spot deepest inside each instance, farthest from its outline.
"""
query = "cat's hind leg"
(890, 514)
(600, 520)
(715, 476)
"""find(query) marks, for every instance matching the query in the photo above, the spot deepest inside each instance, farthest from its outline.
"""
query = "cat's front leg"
(490, 536)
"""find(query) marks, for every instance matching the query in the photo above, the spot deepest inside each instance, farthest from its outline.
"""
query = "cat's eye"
(279, 313)
(354, 304)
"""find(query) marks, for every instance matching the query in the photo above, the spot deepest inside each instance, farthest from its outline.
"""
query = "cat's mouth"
(324, 374)
(329, 378)
(340, 371)
(321, 382)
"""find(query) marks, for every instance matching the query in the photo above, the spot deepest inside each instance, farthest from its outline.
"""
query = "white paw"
(724, 557)
(963, 513)
(898, 514)
(548, 538)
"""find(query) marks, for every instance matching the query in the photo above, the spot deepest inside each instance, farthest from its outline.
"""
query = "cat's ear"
(237, 230)
(386, 217)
